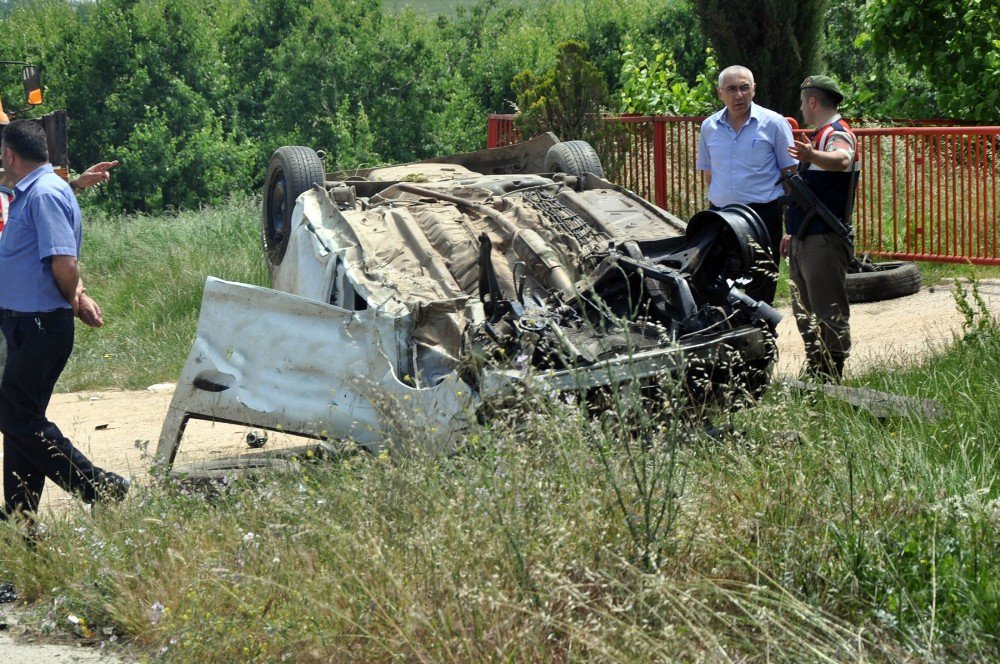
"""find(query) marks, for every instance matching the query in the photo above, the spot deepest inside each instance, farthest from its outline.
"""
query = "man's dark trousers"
(770, 214)
(38, 346)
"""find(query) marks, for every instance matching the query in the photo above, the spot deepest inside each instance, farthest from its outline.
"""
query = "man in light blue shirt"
(743, 151)
(41, 293)
(49, 225)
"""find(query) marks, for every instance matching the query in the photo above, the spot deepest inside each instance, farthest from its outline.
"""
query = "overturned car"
(437, 288)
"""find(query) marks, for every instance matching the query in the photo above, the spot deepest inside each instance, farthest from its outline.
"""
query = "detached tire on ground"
(573, 158)
(889, 280)
(292, 170)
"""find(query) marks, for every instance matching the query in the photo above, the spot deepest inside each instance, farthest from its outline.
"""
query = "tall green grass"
(812, 532)
(147, 274)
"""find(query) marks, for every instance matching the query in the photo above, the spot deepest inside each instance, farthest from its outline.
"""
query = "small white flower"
(155, 613)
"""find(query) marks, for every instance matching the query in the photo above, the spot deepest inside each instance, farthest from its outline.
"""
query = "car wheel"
(884, 282)
(292, 170)
(573, 158)
(738, 252)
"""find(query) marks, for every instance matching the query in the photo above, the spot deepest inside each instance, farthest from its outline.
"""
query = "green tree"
(777, 40)
(875, 85)
(354, 143)
(142, 80)
(494, 40)
(36, 32)
(955, 43)
(248, 44)
(676, 27)
(474, 36)
(652, 85)
(567, 99)
(395, 65)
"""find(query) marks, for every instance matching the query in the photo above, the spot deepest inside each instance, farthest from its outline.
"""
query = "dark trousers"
(771, 215)
(38, 346)
(817, 266)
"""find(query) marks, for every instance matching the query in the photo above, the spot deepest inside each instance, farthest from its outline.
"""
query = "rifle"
(803, 196)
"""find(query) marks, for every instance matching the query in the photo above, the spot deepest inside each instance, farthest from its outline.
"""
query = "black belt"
(10, 313)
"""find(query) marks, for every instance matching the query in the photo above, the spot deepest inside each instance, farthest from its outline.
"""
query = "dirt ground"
(119, 430)
(26, 650)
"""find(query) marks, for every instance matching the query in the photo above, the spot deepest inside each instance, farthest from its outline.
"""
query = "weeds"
(608, 530)
(557, 535)
(147, 273)
(977, 321)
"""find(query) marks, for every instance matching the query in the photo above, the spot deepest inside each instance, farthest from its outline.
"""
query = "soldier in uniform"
(818, 255)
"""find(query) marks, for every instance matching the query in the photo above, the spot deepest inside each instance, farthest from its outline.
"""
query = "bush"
(567, 99)
(653, 85)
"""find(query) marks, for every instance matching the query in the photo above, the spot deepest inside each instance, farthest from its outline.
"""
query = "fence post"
(492, 130)
(660, 161)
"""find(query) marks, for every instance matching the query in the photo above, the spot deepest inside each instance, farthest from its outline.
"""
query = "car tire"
(889, 280)
(292, 170)
(573, 158)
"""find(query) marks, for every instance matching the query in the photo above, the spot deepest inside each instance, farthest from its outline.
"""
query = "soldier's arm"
(96, 174)
(837, 157)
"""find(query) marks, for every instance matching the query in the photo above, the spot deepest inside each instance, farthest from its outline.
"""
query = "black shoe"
(7, 593)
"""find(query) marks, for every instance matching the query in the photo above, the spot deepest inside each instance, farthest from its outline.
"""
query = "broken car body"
(414, 295)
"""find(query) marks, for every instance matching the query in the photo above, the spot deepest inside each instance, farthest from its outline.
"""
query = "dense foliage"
(651, 84)
(876, 84)
(193, 97)
(955, 43)
(566, 99)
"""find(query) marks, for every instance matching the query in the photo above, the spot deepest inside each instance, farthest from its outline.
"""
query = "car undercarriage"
(436, 288)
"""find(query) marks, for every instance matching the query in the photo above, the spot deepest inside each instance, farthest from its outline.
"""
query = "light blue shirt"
(43, 221)
(745, 165)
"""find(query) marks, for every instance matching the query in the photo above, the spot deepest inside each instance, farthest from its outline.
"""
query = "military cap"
(826, 84)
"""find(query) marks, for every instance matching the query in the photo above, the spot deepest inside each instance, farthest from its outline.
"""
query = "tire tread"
(892, 280)
(302, 169)
(574, 158)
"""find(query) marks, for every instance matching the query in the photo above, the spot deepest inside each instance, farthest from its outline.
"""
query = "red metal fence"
(925, 193)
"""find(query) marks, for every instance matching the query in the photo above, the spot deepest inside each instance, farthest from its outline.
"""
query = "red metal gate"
(925, 193)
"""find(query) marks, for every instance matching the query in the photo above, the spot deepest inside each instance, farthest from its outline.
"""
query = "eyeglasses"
(733, 89)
